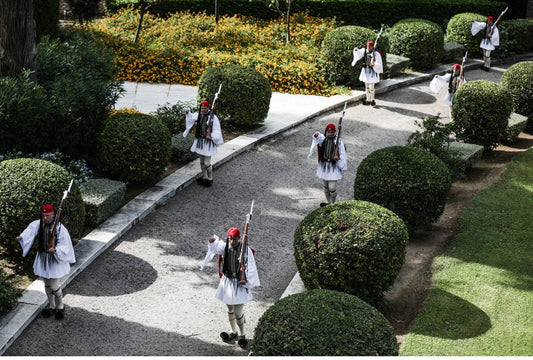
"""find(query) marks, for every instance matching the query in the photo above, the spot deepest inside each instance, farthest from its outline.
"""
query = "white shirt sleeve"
(190, 119)
(477, 27)
(28, 237)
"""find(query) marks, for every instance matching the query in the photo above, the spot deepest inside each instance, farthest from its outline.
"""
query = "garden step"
(516, 124)
(467, 153)
(396, 64)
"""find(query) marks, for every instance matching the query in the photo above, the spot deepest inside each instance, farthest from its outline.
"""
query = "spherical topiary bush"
(134, 148)
(481, 111)
(337, 50)
(352, 246)
(245, 95)
(518, 80)
(459, 30)
(420, 40)
(26, 185)
(410, 181)
(323, 323)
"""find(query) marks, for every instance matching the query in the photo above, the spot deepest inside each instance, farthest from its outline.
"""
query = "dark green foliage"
(26, 185)
(515, 36)
(46, 15)
(245, 96)
(23, 115)
(173, 116)
(459, 30)
(356, 247)
(367, 13)
(337, 50)
(84, 10)
(409, 181)
(481, 111)
(323, 323)
(77, 78)
(435, 138)
(181, 148)
(518, 80)
(9, 292)
(134, 148)
(420, 40)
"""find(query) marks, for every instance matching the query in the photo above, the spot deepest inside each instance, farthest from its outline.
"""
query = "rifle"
(211, 114)
(461, 73)
(244, 253)
(52, 242)
(339, 132)
(376, 43)
(498, 19)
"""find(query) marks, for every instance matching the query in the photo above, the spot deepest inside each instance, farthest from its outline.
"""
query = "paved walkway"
(145, 295)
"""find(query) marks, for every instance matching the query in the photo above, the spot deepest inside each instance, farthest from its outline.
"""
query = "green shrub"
(26, 185)
(134, 148)
(459, 30)
(181, 148)
(481, 111)
(323, 323)
(518, 80)
(102, 197)
(352, 246)
(409, 181)
(23, 115)
(420, 40)
(515, 37)
(337, 51)
(435, 138)
(84, 10)
(77, 79)
(9, 292)
(244, 97)
(173, 116)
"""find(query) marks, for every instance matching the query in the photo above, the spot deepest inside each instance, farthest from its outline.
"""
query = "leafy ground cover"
(481, 302)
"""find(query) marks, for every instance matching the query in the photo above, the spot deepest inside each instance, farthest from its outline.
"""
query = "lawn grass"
(482, 301)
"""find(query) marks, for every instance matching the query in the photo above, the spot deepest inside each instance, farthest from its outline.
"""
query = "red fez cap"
(47, 209)
(490, 18)
(369, 43)
(330, 126)
(204, 103)
(234, 232)
(456, 66)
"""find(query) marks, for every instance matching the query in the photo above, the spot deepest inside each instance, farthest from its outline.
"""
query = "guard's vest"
(453, 84)
(45, 233)
(326, 151)
(222, 262)
(201, 125)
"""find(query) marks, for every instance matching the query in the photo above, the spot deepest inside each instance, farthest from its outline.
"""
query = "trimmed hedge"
(102, 197)
(412, 182)
(352, 246)
(245, 95)
(9, 293)
(481, 111)
(323, 323)
(459, 31)
(181, 148)
(337, 50)
(420, 40)
(26, 185)
(134, 148)
(518, 80)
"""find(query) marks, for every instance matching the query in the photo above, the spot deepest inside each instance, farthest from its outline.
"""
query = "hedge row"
(367, 13)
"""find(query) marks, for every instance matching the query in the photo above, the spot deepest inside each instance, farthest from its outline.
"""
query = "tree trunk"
(18, 49)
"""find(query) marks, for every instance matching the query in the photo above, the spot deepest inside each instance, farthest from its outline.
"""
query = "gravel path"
(146, 296)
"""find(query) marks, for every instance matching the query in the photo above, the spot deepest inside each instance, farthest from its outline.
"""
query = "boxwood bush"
(410, 181)
(337, 51)
(420, 40)
(26, 185)
(102, 197)
(134, 148)
(181, 148)
(245, 95)
(481, 111)
(323, 323)
(173, 115)
(459, 31)
(9, 292)
(352, 246)
(518, 80)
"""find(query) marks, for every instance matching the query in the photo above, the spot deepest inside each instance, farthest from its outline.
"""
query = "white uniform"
(329, 171)
(49, 266)
(210, 148)
(486, 43)
(369, 74)
(439, 82)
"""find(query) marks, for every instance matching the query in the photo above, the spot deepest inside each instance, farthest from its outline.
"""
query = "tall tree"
(18, 49)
